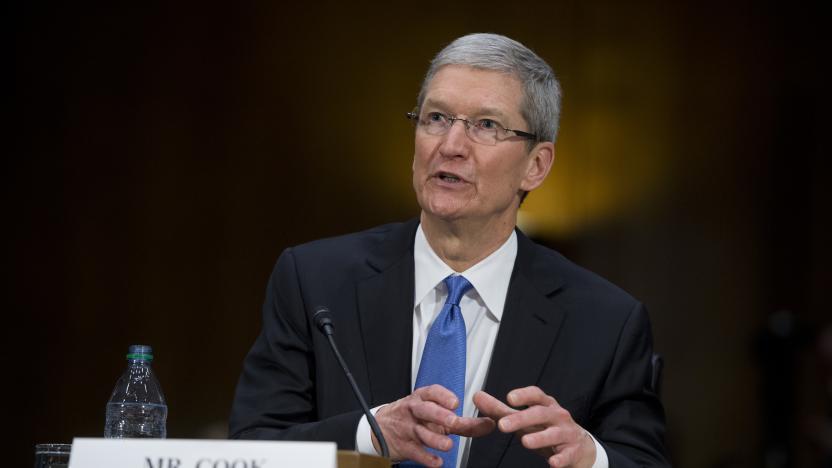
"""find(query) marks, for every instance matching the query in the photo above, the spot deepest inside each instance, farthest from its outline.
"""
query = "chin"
(445, 209)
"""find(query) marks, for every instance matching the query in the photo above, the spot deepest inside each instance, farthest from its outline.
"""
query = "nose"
(455, 142)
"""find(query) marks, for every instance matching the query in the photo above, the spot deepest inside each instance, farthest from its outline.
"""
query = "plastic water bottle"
(137, 406)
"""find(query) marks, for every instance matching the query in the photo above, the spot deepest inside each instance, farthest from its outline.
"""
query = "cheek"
(418, 165)
(419, 169)
(421, 159)
(504, 178)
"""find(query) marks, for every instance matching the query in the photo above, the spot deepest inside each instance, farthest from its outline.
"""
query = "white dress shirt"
(482, 309)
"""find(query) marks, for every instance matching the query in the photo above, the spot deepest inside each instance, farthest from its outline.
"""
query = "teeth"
(450, 178)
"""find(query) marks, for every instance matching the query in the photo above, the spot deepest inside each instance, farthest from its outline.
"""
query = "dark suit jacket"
(564, 329)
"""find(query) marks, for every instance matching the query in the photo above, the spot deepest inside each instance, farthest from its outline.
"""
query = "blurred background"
(164, 155)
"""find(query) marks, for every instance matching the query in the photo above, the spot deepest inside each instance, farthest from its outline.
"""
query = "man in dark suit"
(475, 346)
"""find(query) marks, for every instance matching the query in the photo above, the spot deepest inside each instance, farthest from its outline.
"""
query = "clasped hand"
(426, 417)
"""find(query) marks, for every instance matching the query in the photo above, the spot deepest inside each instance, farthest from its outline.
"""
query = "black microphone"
(323, 320)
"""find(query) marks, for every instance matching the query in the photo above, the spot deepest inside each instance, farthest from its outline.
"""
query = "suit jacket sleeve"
(276, 396)
(628, 418)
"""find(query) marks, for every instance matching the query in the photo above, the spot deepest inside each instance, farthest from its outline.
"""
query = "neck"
(461, 244)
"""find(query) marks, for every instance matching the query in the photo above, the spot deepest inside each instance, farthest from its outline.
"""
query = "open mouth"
(450, 178)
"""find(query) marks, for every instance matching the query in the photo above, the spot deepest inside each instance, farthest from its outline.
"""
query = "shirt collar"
(490, 277)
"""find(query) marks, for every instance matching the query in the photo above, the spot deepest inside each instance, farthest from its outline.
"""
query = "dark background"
(161, 157)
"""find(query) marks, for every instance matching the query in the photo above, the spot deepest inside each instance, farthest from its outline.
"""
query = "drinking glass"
(52, 455)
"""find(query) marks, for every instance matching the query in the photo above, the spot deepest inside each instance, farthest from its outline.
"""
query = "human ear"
(542, 156)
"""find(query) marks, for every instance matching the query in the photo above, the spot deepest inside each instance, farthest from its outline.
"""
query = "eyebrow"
(431, 102)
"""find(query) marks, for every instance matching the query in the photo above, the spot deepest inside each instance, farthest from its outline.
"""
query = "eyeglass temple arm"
(530, 136)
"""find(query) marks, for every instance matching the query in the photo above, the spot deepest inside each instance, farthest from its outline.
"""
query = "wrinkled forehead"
(464, 89)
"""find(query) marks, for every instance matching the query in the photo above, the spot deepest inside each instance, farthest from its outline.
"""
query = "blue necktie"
(443, 359)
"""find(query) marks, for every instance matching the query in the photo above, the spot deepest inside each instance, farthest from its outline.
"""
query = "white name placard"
(187, 453)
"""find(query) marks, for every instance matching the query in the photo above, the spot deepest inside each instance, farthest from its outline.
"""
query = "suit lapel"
(528, 330)
(385, 310)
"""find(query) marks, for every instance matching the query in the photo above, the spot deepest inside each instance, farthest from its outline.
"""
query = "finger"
(473, 427)
(549, 437)
(490, 406)
(439, 395)
(528, 396)
(432, 439)
(418, 454)
(428, 411)
(398, 425)
(534, 417)
(563, 458)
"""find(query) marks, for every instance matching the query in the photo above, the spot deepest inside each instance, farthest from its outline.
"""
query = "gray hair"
(541, 91)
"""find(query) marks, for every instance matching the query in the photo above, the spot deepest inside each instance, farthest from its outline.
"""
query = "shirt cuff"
(364, 437)
(601, 460)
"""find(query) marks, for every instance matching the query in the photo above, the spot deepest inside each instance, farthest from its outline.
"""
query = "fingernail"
(505, 425)
(450, 420)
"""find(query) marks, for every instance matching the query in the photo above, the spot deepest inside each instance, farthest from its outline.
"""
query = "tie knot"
(457, 286)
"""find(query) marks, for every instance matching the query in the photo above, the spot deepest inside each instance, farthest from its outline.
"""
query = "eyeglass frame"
(414, 116)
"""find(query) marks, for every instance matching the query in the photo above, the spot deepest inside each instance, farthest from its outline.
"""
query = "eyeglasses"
(484, 131)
